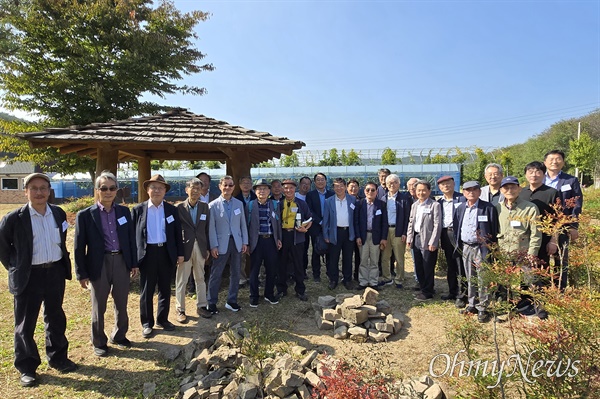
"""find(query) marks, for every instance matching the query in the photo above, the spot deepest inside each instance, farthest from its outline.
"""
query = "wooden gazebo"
(174, 135)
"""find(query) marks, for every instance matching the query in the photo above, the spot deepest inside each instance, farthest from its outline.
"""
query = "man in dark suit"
(159, 250)
(33, 250)
(245, 195)
(382, 190)
(194, 217)
(338, 231)
(264, 241)
(206, 195)
(105, 256)
(315, 200)
(571, 197)
(370, 220)
(476, 227)
(450, 201)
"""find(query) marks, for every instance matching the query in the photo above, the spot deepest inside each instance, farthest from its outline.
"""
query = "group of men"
(270, 224)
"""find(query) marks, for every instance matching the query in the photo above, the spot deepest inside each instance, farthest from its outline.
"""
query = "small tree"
(290, 161)
(583, 153)
(388, 157)
(353, 158)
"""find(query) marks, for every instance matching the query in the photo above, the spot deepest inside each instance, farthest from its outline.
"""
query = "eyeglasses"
(40, 189)
(227, 185)
(105, 189)
(157, 188)
(370, 190)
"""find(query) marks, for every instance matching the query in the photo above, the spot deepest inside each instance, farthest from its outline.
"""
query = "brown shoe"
(181, 317)
(203, 312)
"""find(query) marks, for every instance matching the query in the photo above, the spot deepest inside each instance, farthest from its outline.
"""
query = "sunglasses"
(370, 190)
(227, 185)
(111, 188)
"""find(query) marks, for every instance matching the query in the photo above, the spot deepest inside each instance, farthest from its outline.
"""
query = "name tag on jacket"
(170, 219)
(482, 218)
(566, 187)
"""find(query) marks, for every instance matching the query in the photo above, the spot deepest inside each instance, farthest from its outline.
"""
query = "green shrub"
(74, 205)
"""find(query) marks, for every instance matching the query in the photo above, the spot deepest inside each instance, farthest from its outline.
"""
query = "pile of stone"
(218, 369)
(357, 317)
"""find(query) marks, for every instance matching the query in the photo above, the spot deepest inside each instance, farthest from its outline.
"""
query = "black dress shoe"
(101, 351)
(302, 297)
(28, 380)
(348, 285)
(468, 310)
(167, 326)
(121, 343)
(64, 367)
(332, 285)
(483, 316)
(460, 303)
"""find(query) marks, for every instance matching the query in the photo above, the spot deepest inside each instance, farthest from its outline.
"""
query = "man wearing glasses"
(159, 249)
(105, 257)
(493, 175)
(228, 238)
(33, 250)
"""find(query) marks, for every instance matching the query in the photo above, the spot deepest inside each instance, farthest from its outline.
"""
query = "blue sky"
(404, 74)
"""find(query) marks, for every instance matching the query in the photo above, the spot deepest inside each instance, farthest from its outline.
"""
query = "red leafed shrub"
(342, 381)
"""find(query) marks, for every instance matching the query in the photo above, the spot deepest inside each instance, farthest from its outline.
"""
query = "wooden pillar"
(144, 171)
(108, 159)
(237, 166)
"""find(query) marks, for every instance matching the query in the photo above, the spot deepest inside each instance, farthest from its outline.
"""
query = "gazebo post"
(107, 159)
(238, 166)
(144, 171)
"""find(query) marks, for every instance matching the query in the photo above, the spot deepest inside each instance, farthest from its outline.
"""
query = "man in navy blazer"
(105, 256)
(159, 250)
(450, 201)
(370, 220)
(571, 197)
(315, 200)
(476, 227)
(33, 250)
(338, 231)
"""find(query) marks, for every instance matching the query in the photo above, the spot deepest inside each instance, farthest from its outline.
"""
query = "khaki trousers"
(195, 265)
(396, 245)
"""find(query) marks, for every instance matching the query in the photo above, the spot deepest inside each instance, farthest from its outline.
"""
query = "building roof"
(174, 135)
(17, 168)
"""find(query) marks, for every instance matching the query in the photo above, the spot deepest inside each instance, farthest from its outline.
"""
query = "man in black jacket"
(33, 250)
(105, 256)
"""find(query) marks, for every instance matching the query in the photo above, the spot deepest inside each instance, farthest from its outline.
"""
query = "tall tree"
(583, 153)
(79, 62)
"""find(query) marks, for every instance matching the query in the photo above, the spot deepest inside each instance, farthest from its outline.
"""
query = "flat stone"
(384, 327)
(340, 322)
(190, 393)
(231, 389)
(340, 298)
(247, 391)
(397, 326)
(419, 387)
(372, 309)
(292, 378)
(149, 389)
(312, 379)
(304, 392)
(355, 316)
(170, 352)
(326, 301)
(378, 336)
(330, 314)
(353, 302)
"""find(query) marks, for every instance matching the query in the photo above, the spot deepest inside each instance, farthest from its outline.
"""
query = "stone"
(360, 331)
(384, 327)
(377, 315)
(317, 308)
(304, 392)
(326, 301)
(419, 387)
(312, 379)
(192, 365)
(434, 392)
(341, 332)
(340, 322)
(383, 306)
(370, 296)
(330, 314)
(187, 386)
(170, 352)
(190, 393)
(308, 359)
(247, 391)
(355, 316)
(149, 389)
(353, 302)
(425, 379)
(397, 326)
(378, 336)
(292, 378)
(324, 324)
(372, 309)
(231, 389)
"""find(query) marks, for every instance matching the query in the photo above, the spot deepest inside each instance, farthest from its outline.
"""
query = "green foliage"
(80, 62)
(583, 153)
(331, 158)
(213, 164)
(388, 157)
(74, 205)
(290, 161)
(264, 164)
(475, 170)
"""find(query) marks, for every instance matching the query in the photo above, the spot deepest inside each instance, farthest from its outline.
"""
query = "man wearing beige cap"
(159, 249)
(33, 250)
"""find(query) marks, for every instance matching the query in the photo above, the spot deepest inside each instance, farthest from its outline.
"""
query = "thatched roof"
(174, 135)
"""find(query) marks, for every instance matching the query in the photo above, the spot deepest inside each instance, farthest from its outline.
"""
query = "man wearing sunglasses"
(104, 259)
